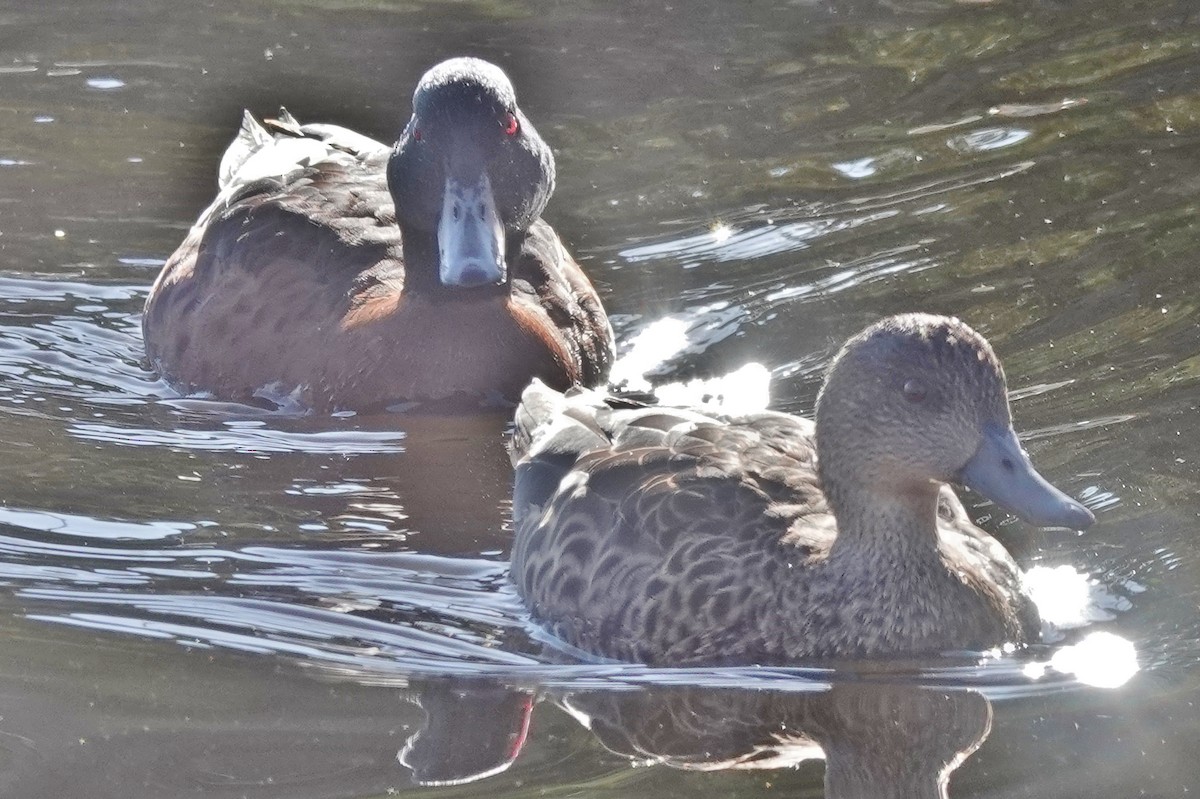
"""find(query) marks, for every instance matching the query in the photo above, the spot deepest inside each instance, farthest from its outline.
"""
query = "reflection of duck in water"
(472, 730)
(353, 274)
(442, 486)
(877, 740)
(669, 536)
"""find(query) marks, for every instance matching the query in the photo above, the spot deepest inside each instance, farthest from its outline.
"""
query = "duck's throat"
(887, 524)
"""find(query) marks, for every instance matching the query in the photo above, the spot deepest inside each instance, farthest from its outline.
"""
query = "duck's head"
(469, 170)
(917, 400)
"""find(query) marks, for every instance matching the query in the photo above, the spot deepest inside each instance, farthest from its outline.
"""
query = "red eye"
(416, 134)
(914, 391)
(510, 124)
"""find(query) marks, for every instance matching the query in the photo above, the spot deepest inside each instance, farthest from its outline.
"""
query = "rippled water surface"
(208, 599)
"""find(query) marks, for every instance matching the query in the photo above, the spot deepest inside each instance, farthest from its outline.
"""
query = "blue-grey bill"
(470, 235)
(1002, 472)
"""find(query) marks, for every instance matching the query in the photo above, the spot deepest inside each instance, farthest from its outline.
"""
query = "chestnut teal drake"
(346, 274)
(671, 536)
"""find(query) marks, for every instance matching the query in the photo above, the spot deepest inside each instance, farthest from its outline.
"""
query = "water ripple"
(250, 437)
(377, 618)
(757, 232)
(70, 524)
(986, 139)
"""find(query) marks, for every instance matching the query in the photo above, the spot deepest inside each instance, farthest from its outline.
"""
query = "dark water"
(203, 599)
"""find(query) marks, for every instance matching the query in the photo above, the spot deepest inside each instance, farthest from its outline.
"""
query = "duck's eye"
(511, 126)
(914, 391)
(416, 134)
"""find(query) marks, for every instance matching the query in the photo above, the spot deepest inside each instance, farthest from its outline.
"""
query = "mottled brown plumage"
(303, 279)
(670, 536)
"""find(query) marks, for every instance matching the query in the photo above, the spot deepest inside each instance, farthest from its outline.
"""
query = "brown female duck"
(349, 275)
(670, 536)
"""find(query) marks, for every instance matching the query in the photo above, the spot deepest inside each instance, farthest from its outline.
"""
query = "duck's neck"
(421, 262)
(897, 523)
(884, 583)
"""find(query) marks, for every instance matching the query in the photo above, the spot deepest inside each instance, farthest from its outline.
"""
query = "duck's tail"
(274, 149)
(549, 422)
(251, 138)
(551, 431)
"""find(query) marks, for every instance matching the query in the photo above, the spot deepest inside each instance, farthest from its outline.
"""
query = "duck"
(338, 273)
(679, 537)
